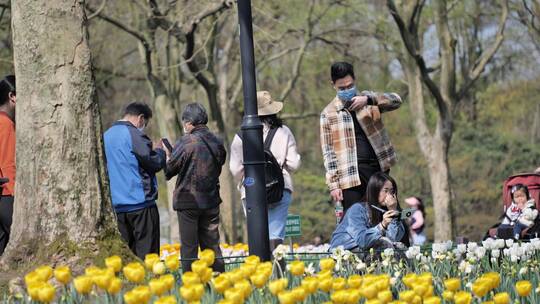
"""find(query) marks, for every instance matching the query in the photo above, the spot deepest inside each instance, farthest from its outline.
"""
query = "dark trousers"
(6, 216)
(199, 227)
(140, 229)
(357, 194)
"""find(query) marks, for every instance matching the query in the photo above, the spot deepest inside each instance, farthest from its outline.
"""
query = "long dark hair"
(7, 85)
(374, 187)
(272, 120)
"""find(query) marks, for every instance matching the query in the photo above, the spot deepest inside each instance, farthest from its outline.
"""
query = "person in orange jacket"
(7, 156)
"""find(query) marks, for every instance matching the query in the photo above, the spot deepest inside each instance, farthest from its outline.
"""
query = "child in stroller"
(522, 213)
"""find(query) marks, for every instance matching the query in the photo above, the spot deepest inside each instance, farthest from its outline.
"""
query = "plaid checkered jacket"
(338, 138)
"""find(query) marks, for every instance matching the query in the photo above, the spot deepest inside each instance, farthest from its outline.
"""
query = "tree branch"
(487, 55)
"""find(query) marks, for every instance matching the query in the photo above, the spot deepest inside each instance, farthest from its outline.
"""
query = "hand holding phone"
(167, 144)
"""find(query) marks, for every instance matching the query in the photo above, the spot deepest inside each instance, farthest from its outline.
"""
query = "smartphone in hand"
(167, 144)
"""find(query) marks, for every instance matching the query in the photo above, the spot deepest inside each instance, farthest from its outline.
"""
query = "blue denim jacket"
(355, 230)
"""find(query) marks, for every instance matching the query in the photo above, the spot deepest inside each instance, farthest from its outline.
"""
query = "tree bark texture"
(62, 192)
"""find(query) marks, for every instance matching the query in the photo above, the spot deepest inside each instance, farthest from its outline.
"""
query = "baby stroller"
(532, 181)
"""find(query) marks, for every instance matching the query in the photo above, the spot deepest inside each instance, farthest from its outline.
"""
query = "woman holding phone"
(374, 223)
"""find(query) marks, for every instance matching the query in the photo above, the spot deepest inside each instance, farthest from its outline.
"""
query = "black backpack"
(275, 184)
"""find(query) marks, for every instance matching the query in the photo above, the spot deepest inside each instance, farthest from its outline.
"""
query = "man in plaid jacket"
(354, 141)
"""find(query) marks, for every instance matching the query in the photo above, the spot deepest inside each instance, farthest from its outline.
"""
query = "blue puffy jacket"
(132, 166)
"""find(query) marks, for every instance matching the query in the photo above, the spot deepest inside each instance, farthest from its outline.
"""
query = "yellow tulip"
(310, 284)
(234, 295)
(252, 259)
(44, 272)
(198, 266)
(523, 288)
(385, 296)
(62, 274)
(409, 280)
(297, 268)
(190, 278)
(353, 296)
(501, 298)
(258, 280)
(131, 298)
(166, 300)
(382, 283)
(370, 291)
(327, 264)
(495, 279)
(480, 288)
(168, 280)
(92, 271)
(142, 293)
(33, 289)
(208, 257)
(416, 300)
(324, 274)
(192, 293)
(452, 284)
(206, 275)
(488, 302)
(32, 277)
(134, 272)
(447, 295)
(420, 289)
(462, 297)
(299, 294)
(244, 286)
(102, 280)
(235, 275)
(83, 284)
(247, 270)
(172, 262)
(150, 259)
(114, 262)
(325, 284)
(46, 293)
(159, 268)
(225, 301)
(426, 278)
(286, 297)
(278, 286)
(339, 296)
(339, 284)
(373, 301)
(115, 286)
(407, 296)
(432, 300)
(221, 283)
(354, 281)
(157, 287)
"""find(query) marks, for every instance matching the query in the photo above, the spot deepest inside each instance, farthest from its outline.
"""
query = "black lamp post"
(252, 139)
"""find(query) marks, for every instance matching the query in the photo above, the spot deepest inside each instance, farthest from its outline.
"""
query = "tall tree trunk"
(434, 149)
(63, 208)
(169, 128)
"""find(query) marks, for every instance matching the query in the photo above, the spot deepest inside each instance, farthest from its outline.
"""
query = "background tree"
(63, 209)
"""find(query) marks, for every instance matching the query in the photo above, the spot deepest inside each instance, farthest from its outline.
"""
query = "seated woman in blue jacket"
(364, 226)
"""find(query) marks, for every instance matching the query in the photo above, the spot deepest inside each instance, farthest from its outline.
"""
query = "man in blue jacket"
(132, 162)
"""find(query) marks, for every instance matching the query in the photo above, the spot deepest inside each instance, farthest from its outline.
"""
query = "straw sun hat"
(266, 105)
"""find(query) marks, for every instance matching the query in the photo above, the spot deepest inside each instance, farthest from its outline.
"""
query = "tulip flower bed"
(491, 272)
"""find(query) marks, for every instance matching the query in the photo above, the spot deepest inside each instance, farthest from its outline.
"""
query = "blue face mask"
(347, 95)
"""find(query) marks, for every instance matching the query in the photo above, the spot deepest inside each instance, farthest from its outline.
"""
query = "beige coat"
(284, 149)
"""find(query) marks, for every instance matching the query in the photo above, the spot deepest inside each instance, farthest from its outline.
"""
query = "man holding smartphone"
(354, 142)
(132, 163)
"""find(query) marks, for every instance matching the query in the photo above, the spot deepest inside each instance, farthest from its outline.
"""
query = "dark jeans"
(6, 216)
(140, 229)
(358, 193)
(199, 227)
